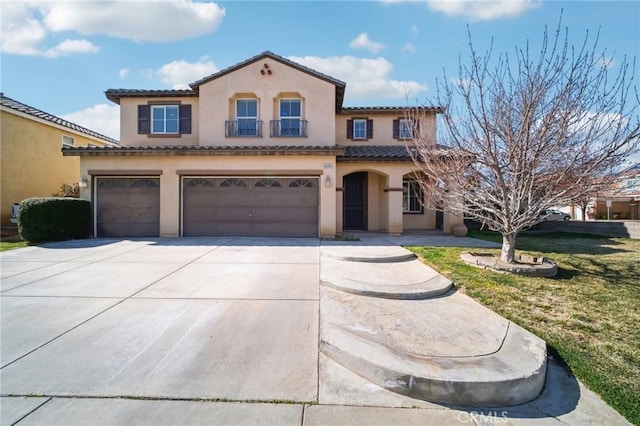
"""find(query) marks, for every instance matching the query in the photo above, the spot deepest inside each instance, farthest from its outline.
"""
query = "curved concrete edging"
(513, 375)
(449, 350)
(370, 254)
(408, 280)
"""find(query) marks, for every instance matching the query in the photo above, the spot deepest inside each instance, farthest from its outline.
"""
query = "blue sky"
(61, 56)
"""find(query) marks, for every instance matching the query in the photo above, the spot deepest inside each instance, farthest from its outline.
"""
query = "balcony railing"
(248, 128)
(289, 128)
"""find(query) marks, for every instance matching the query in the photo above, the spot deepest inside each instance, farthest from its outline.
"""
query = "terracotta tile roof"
(34, 112)
(389, 109)
(375, 152)
(114, 95)
(203, 150)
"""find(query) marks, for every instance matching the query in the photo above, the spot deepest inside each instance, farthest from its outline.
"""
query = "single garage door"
(250, 206)
(127, 207)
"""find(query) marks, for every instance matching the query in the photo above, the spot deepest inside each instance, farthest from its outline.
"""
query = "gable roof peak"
(275, 57)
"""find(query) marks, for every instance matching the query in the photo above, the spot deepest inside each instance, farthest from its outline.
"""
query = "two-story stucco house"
(263, 148)
(30, 162)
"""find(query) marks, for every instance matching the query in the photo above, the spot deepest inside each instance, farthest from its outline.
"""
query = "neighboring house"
(262, 148)
(31, 162)
(623, 200)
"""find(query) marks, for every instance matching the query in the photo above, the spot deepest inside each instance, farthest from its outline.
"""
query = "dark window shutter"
(185, 119)
(369, 128)
(396, 128)
(349, 129)
(144, 123)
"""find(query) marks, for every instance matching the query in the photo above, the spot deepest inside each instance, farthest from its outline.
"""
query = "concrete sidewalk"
(206, 331)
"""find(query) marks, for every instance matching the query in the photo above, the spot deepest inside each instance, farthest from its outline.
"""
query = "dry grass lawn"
(589, 314)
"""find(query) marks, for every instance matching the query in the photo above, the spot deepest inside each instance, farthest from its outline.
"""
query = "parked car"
(551, 214)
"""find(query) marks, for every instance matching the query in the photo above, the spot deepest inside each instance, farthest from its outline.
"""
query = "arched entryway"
(354, 201)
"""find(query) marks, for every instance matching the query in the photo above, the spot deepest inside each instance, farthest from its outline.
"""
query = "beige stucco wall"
(318, 104)
(382, 128)
(32, 164)
(129, 123)
(233, 165)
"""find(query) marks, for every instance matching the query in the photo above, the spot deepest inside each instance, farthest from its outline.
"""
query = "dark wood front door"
(354, 192)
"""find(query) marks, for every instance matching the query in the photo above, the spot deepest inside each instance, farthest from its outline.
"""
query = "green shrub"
(54, 219)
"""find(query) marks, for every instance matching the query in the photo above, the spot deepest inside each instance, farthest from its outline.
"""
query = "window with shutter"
(144, 113)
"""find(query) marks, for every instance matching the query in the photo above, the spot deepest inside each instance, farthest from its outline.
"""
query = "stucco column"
(328, 202)
(449, 219)
(169, 204)
(394, 204)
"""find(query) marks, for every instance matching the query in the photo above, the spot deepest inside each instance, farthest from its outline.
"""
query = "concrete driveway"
(180, 319)
(195, 331)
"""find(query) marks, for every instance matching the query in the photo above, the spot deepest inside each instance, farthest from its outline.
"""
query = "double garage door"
(252, 206)
(243, 206)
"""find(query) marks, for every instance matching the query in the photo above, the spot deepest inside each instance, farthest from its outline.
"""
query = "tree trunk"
(508, 248)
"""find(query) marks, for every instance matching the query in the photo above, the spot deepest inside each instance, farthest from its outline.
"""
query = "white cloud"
(414, 30)
(26, 25)
(367, 79)
(180, 73)
(483, 10)
(123, 73)
(23, 34)
(101, 118)
(409, 47)
(164, 21)
(363, 42)
(69, 47)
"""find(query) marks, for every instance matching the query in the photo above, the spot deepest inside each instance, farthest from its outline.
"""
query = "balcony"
(288, 128)
(248, 128)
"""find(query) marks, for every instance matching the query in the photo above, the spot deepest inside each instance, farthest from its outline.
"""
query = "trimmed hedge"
(54, 219)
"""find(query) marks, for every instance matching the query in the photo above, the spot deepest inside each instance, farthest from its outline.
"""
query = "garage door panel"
(258, 206)
(234, 214)
(127, 207)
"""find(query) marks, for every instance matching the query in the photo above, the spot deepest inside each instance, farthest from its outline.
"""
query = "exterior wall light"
(327, 182)
(84, 182)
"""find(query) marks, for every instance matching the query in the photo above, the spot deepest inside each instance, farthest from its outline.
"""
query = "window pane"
(285, 108)
(406, 129)
(158, 113)
(247, 108)
(247, 127)
(295, 108)
(290, 108)
(359, 129)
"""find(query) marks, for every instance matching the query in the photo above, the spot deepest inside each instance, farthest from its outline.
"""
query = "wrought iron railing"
(247, 128)
(289, 127)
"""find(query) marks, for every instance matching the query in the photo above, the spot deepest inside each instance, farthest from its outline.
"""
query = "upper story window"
(359, 129)
(164, 119)
(631, 183)
(404, 128)
(247, 117)
(411, 196)
(290, 117)
(68, 141)
(167, 120)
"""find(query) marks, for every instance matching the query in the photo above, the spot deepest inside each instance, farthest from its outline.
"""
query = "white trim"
(151, 130)
(353, 129)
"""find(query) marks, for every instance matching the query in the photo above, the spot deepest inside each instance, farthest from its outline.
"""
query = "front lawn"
(589, 313)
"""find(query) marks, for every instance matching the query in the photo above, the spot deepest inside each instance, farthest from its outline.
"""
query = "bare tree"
(531, 131)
